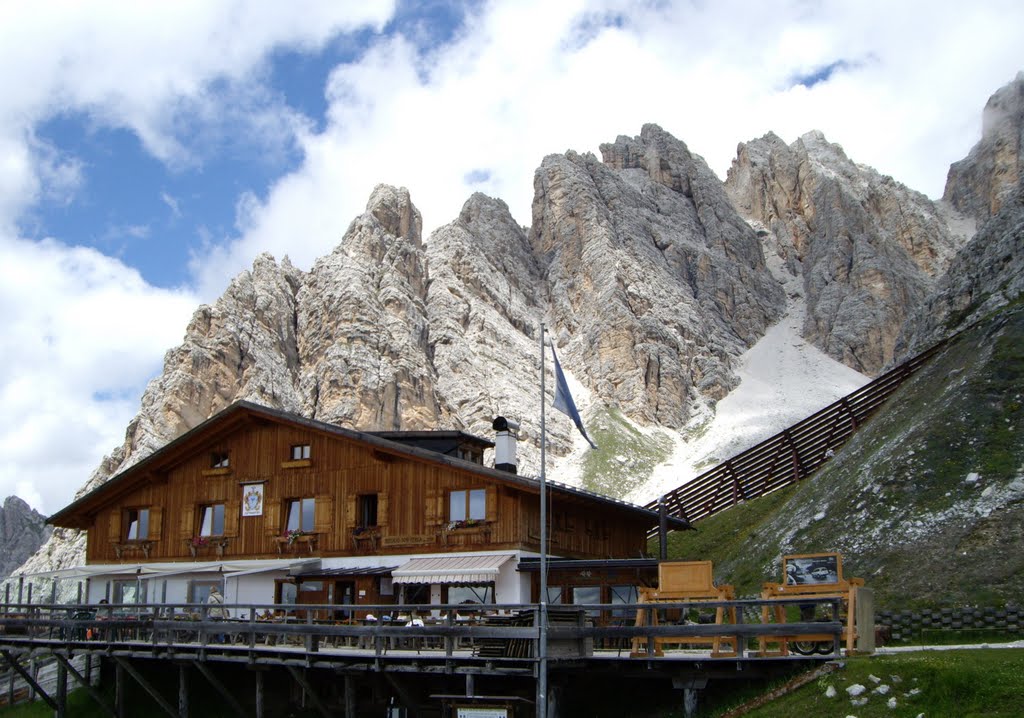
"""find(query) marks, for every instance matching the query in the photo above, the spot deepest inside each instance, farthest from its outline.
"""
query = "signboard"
(481, 712)
(252, 499)
(811, 569)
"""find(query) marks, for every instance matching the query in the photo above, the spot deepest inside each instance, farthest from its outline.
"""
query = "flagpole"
(542, 644)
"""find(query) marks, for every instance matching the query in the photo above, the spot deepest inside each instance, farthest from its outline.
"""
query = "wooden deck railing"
(166, 630)
(789, 456)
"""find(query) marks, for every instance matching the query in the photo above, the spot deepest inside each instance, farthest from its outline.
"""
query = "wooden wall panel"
(412, 505)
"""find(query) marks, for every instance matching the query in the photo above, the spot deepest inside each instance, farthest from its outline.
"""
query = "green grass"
(80, 705)
(625, 456)
(962, 683)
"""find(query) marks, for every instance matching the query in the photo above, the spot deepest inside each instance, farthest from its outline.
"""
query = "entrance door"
(344, 595)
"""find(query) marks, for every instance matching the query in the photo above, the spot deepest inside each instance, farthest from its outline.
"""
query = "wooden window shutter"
(433, 499)
(188, 518)
(350, 511)
(232, 509)
(115, 525)
(272, 517)
(156, 515)
(382, 509)
(323, 514)
(492, 503)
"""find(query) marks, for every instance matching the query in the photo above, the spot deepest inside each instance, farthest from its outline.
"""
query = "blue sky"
(149, 151)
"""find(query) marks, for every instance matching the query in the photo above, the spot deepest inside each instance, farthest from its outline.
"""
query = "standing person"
(217, 612)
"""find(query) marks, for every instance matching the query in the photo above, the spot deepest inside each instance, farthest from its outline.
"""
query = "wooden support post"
(403, 695)
(220, 688)
(183, 690)
(350, 696)
(62, 691)
(122, 709)
(147, 686)
(84, 682)
(259, 695)
(36, 688)
(307, 690)
(34, 667)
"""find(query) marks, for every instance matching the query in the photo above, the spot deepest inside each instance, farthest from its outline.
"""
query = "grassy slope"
(623, 450)
(962, 683)
(895, 501)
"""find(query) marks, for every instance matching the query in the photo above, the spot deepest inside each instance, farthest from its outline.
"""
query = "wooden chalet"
(271, 507)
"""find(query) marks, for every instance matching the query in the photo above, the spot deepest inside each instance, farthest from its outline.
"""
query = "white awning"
(451, 569)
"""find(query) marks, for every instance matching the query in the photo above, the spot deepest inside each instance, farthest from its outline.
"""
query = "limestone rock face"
(979, 184)
(987, 274)
(655, 282)
(869, 249)
(362, 324)
(484, 306)
(22, 531)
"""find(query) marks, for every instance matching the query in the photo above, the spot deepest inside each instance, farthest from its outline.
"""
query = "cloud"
(172, 204)
(525, 79)
(82, 335)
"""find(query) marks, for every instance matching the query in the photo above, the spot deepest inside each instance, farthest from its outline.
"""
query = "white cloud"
(526, 79)
(82, 335)
(83, 332)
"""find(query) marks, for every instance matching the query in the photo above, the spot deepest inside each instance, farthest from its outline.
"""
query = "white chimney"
(505, 444)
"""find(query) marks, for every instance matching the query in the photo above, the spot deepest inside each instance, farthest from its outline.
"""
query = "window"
(471, 594)
(211, 520)
(587, 595)
(300, 452)
(467, 505)
(367, 508)
(555, 595)
(300, 513)
(219, 460)
(625, 595)
(128, 591)
(199, 591)
(285, 592)
(137, 523)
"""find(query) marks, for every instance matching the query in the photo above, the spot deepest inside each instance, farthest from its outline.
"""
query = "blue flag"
(563, 399)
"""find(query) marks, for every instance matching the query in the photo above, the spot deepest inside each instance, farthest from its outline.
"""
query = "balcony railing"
(501, 632)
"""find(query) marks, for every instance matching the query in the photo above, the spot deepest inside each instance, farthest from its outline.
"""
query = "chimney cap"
(502, 424)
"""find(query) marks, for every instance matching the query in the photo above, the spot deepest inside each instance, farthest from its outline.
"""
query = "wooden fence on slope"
(790, 455)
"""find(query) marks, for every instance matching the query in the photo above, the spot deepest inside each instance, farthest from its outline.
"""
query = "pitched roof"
(240, 412)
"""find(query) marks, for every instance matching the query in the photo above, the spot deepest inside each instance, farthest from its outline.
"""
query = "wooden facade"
(342, 493)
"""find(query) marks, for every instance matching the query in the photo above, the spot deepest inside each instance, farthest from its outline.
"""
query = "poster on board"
(805, 570)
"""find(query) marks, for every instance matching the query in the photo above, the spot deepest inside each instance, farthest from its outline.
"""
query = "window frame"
(467, 505)
(199, 589)
(301, 525)
(300, 452)
(118, 586)
(141, 521)
(220, 460)
(213, 521)
(362, 514)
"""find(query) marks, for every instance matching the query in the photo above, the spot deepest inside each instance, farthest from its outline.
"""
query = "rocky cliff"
(649, 272)
(22, 531)
(979, 184)
(868, 249)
